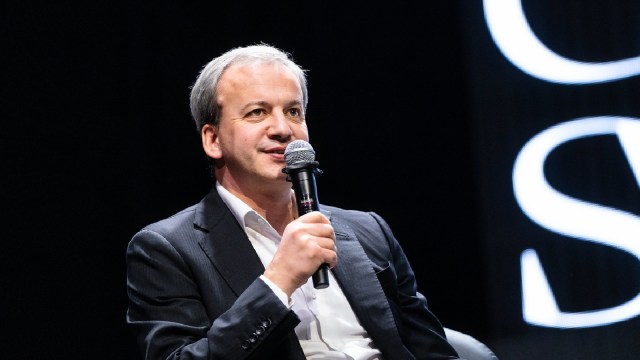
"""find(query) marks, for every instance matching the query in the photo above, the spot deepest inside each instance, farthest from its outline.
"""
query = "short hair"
(203, 104)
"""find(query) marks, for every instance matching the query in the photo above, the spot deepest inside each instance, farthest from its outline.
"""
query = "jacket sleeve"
(170, 321)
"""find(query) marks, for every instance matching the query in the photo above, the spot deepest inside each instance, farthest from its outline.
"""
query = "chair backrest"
(468, 347)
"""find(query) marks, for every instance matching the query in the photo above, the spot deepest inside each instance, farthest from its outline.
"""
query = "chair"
(468, 347)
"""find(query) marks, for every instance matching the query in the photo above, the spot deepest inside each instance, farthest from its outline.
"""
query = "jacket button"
(245, 345)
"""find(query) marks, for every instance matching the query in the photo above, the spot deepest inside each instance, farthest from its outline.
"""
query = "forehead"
(258, 78)
(259, 71)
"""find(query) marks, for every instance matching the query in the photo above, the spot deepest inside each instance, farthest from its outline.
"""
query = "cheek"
(301, 131)
(248, 136)
(239, 144)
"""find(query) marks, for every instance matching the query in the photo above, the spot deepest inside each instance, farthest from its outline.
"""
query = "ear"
(210, 142)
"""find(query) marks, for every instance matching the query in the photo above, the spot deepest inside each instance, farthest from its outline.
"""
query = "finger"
(327, 250)
(314, 217)
(330, 258)
(322, 230)
(325, 243)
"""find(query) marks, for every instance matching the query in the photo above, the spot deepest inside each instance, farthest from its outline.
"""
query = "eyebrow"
(267, 104)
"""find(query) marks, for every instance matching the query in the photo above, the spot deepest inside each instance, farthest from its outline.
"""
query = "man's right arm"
(169, 317)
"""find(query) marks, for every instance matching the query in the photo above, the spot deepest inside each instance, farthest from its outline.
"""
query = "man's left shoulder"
(341, 213)
(355, 219)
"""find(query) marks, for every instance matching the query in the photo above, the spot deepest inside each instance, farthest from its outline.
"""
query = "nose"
(279, 126)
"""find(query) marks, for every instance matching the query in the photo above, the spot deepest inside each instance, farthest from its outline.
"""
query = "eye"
(295, 114)
(259, 112)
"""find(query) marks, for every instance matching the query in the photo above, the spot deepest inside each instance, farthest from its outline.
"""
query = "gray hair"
(205, 109)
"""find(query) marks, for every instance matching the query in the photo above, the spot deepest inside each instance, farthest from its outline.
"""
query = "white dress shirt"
(328, 327)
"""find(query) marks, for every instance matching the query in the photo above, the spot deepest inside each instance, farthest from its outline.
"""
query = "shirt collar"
(246, 216)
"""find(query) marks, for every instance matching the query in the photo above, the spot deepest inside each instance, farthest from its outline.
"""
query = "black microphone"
(301, 169)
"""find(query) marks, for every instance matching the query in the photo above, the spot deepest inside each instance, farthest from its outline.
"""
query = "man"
(230, 278)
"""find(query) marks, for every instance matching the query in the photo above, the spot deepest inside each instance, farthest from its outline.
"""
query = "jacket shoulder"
(180, 220)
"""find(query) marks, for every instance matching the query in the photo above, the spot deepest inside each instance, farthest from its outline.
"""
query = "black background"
(508, 108)
(98, 142)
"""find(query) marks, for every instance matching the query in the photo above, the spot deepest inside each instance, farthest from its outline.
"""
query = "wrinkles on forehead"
(242, 84)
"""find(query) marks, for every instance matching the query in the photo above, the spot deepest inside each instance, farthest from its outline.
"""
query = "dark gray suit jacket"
(194, 292)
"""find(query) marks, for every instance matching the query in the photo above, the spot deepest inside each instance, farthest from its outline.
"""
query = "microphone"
(301, 169)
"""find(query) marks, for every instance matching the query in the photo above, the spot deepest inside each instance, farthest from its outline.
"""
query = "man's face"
(261, 112)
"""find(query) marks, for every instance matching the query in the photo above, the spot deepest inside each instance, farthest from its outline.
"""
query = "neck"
(278, 212)
(277, 206)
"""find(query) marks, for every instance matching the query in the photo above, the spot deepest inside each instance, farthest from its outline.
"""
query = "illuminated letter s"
(574, 218)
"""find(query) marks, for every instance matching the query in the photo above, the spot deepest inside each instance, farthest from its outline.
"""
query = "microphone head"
(299, 151)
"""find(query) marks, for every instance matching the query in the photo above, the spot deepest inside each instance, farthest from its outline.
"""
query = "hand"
(307, 242)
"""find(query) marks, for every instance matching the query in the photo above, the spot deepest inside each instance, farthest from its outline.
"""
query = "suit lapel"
(359, 282)
(226, 244)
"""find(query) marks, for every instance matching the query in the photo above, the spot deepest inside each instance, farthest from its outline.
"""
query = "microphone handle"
(321, 277)
(304, 187)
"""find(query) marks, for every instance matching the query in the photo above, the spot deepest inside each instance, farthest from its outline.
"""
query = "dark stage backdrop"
(415, 112)
(553, 97)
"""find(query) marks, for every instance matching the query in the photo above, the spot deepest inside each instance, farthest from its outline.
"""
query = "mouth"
(276, 151)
